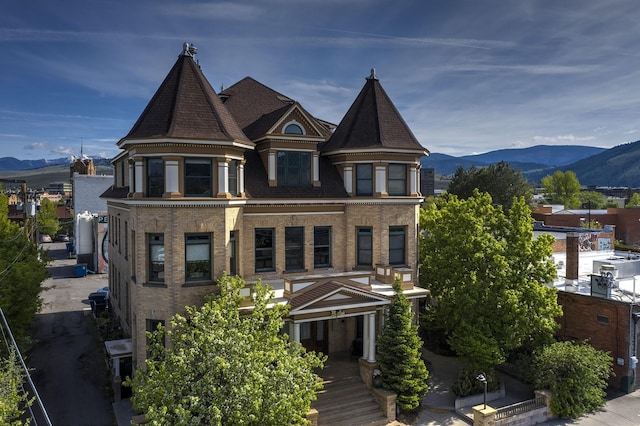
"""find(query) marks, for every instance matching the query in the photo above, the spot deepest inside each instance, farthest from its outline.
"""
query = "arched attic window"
(293, 129)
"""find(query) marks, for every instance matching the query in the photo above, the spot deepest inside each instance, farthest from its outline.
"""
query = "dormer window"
(294, 168)
(293, 129)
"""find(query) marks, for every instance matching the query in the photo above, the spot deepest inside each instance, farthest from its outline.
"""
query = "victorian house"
(248, 182)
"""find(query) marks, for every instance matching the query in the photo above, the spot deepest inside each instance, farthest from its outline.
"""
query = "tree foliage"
(13, 401)
(634, 201)
(576, 374)
(403, 370)
(22, 272)
(224, 367)
(592, 200)
(563, 188)
(47, 218)
(487, 276)
(500, 180)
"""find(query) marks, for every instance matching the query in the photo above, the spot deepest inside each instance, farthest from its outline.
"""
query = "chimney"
(572, 258)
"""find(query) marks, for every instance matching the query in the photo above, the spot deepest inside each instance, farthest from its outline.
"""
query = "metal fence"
(520, 407)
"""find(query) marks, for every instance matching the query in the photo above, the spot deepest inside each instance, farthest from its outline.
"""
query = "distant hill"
(42, 177)
(617, 166)
(549, 155)
(11, 163)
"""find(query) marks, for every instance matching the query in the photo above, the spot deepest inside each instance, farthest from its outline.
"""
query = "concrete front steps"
(347, 402)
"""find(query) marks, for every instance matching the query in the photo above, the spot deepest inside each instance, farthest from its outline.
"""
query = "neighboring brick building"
(250, 183)
(625, 220)
(603, 312)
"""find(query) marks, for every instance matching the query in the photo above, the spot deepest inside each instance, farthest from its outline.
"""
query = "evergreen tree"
(403, 370)
(223, 367)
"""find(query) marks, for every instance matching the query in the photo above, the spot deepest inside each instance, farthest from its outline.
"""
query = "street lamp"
(483, 379)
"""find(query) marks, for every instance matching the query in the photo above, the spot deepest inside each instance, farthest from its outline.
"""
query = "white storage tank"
(84, 233)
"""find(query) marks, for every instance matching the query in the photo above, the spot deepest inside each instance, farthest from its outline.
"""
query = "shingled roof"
(257, 107)
(372, 122)
(185, 106)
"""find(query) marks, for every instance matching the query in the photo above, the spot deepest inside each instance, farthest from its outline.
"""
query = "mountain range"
(617, 167)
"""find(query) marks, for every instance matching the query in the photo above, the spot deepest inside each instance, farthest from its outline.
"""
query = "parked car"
(44, 238)
(63, 238)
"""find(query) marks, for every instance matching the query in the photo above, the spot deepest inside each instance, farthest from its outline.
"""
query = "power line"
(26, 371)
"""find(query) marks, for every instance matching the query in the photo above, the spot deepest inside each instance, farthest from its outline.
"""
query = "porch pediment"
(334, 296)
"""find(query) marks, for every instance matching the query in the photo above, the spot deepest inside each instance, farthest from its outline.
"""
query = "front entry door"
(313, 336)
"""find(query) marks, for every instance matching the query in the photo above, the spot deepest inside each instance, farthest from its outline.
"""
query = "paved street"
(67, 364)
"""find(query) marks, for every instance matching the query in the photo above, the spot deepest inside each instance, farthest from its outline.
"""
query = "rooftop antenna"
(81, 147)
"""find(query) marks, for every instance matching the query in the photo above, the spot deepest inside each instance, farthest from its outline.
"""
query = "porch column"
(296, 332)
(372, 337)
(365, 337)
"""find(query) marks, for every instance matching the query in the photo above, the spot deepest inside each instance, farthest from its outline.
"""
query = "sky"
(468, 76)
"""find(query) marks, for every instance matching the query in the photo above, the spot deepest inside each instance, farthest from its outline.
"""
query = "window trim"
(369, 191)
(398, 230)
(270, 250)
(149, 178)
(294, 249)
(199, 161)
(317, 247)
(364, 230)
(192, 237)
(154, 275)
(397, 181)
(304, 167)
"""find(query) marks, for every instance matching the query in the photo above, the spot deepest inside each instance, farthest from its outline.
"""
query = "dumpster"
(81, 270)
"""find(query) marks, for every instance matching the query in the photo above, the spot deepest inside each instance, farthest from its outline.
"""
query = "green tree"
(592, 200)
(487, 276)
(224, 367)
(23, 269)
(500, 180)
(576, 374)
(563, 188)
(402, 367)
(13, 400)
(634, 201)
(47, 218)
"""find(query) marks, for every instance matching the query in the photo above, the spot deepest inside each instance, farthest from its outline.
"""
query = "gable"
(333, 295)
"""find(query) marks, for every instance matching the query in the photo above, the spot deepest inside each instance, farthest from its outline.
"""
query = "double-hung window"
(233, 177)
(155, 177)
(397, 245)
(197, 257)
(397, 180)
(294, 168)
(156, 257)
(364, 179)
(322, 247)
(197, 177)
(364, 246)
(294, 248)
(264, 250)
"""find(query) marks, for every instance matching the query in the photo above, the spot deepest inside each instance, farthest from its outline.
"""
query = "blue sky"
(468, 76)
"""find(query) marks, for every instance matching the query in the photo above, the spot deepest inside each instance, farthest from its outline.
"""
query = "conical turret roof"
(372, 122)
(185, 106)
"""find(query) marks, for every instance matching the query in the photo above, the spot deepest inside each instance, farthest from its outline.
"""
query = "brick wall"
(604, 322)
